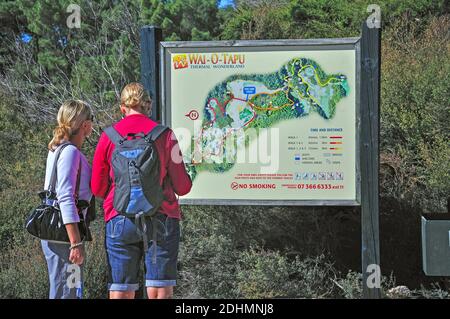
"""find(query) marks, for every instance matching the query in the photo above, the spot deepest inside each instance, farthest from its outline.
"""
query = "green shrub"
(23, 271)
(207, 266)
(96, 270)
(14, 207)
(218, 254)
(434, 292)
(351, 285)
(415, 115)
(265, 274)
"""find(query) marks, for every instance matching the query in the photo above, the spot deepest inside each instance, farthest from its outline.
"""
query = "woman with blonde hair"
(126, 233)
(73, 174)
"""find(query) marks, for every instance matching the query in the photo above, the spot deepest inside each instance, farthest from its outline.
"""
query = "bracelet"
(75, 245)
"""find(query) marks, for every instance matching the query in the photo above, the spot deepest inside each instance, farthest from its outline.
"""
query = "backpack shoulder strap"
(156, 132)
(113, 135)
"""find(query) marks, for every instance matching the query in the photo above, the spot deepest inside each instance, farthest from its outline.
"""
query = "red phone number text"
(319, 186)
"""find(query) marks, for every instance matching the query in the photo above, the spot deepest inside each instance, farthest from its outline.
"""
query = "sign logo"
(234, 186)
(180, 61)
(193, 115)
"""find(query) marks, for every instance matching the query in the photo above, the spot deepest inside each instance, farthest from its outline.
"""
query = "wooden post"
(151, 36)
(370, 125)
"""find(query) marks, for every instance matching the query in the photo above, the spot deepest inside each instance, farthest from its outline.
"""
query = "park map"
(241, 102)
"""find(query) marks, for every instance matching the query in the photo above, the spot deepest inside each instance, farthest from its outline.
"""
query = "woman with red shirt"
(124, 242)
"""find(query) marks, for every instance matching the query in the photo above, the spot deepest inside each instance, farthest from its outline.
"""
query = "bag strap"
(52, 184)
(53, 177)
(155, 132)
(113, 135)
(77, 188)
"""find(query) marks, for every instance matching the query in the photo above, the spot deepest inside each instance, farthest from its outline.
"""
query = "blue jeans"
(125, 250)
(66, 279)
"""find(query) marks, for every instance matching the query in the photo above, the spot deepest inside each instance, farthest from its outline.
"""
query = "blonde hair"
(71, 116)
(134, 95)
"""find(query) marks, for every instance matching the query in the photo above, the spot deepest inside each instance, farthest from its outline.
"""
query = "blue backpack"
(136, 167)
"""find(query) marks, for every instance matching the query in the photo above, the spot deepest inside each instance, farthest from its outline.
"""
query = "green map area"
(241, 102)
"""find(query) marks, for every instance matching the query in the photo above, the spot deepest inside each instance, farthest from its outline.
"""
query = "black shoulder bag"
(45, 221)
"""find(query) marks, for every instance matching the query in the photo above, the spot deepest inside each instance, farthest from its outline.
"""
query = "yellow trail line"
(306, 83)
(315, 73)
(271, 108)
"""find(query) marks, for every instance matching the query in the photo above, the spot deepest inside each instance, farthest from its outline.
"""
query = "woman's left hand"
(77, 255)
